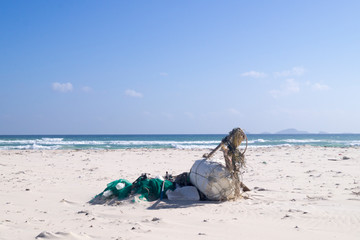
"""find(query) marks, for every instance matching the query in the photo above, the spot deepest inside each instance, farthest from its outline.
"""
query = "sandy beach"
(298, 192)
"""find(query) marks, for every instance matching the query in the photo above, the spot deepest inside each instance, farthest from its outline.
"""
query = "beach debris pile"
(208, 179)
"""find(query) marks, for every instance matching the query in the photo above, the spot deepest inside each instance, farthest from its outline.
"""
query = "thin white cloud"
(62, 87)
(164, 74)
(234, 111)
(290, 87)
(320, 87)
(295, 71)
(133, 93)
(86, 89)
(253, 74)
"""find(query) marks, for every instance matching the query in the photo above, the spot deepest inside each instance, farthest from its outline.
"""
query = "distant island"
(295, 131)
(291, 131)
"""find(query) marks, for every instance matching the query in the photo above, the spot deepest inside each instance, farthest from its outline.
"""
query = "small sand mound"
(60, 235)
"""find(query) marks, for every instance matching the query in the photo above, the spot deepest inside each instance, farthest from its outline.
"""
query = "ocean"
(185, 141)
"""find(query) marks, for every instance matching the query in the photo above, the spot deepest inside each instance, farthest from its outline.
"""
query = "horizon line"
(134, 134)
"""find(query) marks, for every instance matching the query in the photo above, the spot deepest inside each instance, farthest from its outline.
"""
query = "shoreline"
(296, 191)
(179, 149)
(97, 142)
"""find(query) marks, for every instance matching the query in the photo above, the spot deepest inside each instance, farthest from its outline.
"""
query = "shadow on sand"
(166, 204)
(158, 204)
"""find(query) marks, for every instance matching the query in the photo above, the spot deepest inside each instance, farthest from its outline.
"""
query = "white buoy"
(212, 179)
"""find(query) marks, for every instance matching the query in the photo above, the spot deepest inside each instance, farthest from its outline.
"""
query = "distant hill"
(291, 131)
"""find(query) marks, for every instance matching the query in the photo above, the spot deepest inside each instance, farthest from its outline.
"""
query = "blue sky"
(118, 67)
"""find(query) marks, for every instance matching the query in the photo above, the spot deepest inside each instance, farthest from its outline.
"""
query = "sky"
(179, 67)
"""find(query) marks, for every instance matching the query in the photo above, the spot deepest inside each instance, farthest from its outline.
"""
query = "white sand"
(297, 193)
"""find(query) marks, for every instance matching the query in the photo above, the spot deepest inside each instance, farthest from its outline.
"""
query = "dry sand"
(297, 193)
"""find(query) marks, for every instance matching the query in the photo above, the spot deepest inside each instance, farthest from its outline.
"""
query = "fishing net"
(149, 189)
(222, 183)
(120, 188)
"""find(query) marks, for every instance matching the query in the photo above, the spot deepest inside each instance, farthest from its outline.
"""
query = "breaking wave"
(167, 141)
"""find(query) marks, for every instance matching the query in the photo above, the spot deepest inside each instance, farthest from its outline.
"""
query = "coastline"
(161, 141)
(296, 191)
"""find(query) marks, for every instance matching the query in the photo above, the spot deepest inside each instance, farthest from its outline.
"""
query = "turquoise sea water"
(188, 141)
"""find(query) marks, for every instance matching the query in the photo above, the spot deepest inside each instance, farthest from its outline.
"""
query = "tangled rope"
(234, 159)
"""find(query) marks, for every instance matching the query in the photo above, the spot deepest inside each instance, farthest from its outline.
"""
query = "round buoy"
(212, 179)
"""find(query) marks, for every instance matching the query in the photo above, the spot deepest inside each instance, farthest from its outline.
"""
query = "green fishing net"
(149, 189)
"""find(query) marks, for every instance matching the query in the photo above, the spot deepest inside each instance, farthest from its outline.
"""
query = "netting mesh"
(148, 189)
(234, 159)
